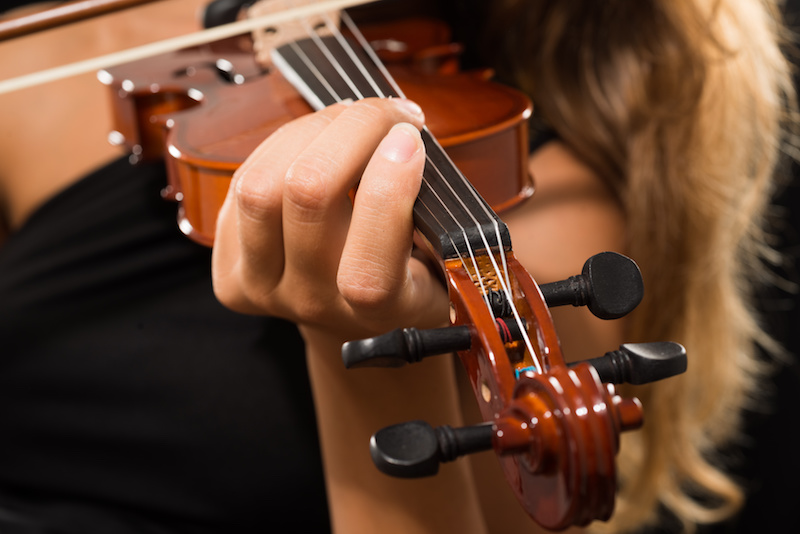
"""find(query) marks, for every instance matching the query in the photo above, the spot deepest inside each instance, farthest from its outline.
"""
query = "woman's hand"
(290, 242)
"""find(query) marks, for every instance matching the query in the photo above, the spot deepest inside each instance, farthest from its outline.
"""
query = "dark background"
(769, 465)
(769, 462)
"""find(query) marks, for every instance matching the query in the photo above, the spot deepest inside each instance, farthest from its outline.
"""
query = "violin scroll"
(414, 449)
(555, 427)
(557, 441)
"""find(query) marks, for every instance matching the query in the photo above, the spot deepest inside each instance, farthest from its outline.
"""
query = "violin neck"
(448, 212)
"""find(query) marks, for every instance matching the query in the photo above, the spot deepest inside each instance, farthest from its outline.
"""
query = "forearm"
(351, 405)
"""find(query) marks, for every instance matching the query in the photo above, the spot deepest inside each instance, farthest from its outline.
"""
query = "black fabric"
(130, 399)
(8, 5)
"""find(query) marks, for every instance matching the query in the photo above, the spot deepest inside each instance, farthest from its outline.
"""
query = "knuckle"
(254, 197)
(306, 181)
(368, 289)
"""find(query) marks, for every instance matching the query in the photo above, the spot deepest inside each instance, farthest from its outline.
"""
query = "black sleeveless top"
(130, 399)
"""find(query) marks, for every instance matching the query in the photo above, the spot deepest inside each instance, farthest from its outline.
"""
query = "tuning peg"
(610, 285)
(640, 363)
(219, 12)
(410, 345)
(415, 449)
(406, 345)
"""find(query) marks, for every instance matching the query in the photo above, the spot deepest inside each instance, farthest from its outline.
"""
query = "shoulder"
(571, 216)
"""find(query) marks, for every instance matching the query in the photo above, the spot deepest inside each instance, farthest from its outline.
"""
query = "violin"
(554, 427)
(159, 102)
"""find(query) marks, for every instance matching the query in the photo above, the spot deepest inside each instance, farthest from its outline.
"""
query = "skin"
(42, 120)
(290, 243)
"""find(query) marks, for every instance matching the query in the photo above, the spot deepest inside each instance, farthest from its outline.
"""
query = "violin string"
(379, 64)
(390, 79)
(345, 17)
(313, 68)
(503, 275)
(473, 260)
(333, 93)
(345, 44)
(367, 49)
(367, 76)
(331, 58)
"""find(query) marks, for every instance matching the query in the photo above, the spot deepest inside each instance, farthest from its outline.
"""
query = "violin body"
(204, 111)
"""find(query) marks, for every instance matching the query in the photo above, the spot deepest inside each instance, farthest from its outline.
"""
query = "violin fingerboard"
(326, 70)
(449, 212)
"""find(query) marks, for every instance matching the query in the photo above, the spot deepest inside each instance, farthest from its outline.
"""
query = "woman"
(669, 118)
(86, 451)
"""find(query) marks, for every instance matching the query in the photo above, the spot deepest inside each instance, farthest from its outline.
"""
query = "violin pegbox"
(512, 330)
(554, 427)
(271, 37)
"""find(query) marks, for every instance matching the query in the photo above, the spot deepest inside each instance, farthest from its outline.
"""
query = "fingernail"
(401, 143)
(410, 106)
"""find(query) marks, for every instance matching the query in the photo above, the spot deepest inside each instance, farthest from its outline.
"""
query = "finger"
(374, 263)
(378, 278)
(316, 206)
(247, 260)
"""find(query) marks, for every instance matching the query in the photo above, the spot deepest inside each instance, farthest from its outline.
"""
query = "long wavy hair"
(681, 107)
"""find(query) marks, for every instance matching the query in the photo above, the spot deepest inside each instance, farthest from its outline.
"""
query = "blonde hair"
(680, 107)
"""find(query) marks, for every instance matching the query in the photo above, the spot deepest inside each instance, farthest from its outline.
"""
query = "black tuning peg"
(406, 345)
(410, 345)
(221, 12)
(640, 363)
(610, 285)
(415, 449)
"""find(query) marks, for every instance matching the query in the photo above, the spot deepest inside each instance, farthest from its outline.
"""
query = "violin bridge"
(267, 39)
